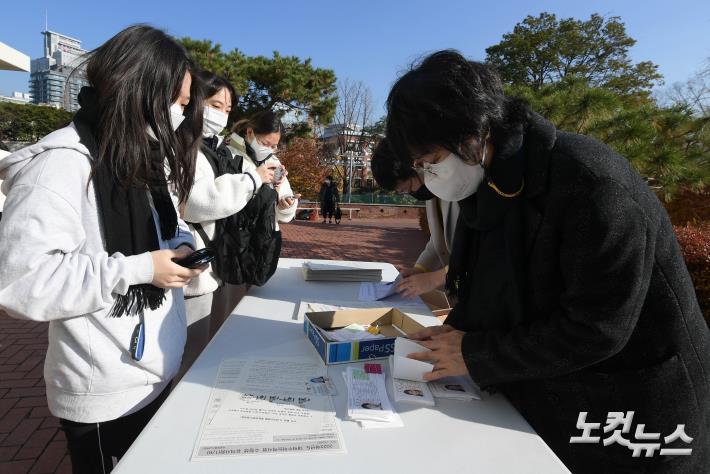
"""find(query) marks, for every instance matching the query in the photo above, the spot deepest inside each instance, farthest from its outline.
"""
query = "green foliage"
(670, 146)
(29, 123)
(378, 128)
(542, 50)
(284, 83)
(578, 75)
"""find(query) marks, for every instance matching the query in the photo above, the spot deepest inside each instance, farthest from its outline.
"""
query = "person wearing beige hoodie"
(90, 233)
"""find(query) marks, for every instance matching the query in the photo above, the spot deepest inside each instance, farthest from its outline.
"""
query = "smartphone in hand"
(197, 258)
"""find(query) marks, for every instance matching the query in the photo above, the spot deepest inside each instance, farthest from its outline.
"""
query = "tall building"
(56, 78)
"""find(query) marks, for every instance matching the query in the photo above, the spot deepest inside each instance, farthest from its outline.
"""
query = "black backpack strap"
(203, 235)
(212, 158)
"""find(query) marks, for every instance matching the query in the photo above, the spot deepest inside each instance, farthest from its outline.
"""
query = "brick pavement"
(30, 439)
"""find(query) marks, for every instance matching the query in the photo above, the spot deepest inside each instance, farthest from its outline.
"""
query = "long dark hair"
(137, 76)
(212, 84)
(263, 123)
(445, 101)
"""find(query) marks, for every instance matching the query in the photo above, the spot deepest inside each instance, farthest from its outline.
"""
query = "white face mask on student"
(176, 118)
(213, 121)
(176, 115)
(452, 179)
(262, 151)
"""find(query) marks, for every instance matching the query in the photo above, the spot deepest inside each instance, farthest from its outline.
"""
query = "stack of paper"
(455, 388)
(332, 272)
(368, 403)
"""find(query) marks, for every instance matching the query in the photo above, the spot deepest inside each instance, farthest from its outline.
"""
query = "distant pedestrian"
(329, 199)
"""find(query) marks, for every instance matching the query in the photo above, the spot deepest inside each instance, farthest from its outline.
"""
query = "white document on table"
(405, 368)
(264, 407)
(370, 291)
(368, 403)
(394, 422)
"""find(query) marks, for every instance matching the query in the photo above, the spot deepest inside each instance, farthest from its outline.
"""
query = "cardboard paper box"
(393, 323)
(438, 303)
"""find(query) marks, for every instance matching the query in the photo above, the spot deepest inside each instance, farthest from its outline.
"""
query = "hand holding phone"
(287, 201)
(167, 273)
(197, 258)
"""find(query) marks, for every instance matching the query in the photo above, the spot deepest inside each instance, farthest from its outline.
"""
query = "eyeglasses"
(424, 168)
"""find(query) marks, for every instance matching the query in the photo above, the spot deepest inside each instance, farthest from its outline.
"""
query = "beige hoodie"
(55, 269)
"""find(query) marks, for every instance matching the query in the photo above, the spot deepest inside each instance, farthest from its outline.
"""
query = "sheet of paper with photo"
(263, 419)
(367, 396)
(455, 388)
(410, 391)
(395, 421)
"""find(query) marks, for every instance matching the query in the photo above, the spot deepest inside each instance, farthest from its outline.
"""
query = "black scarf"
(125, 213)
(486, 264)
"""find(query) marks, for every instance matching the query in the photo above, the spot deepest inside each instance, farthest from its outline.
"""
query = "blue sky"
(372, 41)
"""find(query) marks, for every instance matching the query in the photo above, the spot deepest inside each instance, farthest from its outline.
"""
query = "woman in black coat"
(328, 199)
(573, 297)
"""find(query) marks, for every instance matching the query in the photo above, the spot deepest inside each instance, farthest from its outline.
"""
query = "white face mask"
(176, 115)
(262, 151)
(213, 121)
(176, 118)
(452, 179)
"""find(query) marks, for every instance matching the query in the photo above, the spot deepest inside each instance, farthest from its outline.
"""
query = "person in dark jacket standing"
(573, 297)
(328, 199)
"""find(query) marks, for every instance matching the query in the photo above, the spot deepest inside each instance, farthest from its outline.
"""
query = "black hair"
(263, 123)
(446, 100)
(212, 84)
(138, 75)
(387, 168)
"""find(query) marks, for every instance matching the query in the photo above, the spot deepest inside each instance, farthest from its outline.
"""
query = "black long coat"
(329, 197)
(610, 319)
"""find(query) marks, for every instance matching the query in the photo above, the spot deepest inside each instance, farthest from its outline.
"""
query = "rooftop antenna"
(47, 46)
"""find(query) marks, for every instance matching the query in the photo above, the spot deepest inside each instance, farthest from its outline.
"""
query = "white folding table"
(487, 436)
